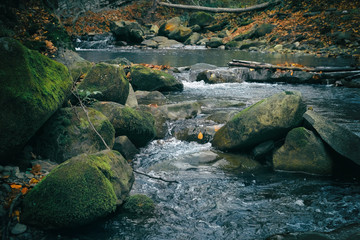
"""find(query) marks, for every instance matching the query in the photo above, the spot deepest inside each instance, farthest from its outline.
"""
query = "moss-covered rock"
(169, 26)
(147, 79)
(79, 191)
(268, 119)
(33, 87)
(68, 133)
(139, 205)
(214, 42)
(130, 32)
(303, 152)
(180, 34)
(201, 18)
(109, 80)
(137, 125)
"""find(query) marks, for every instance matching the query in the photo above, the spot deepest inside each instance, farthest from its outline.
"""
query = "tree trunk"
(220, 10)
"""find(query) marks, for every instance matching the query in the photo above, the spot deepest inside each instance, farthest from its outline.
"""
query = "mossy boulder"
(169, 26)
(68, 133)
(137, 125)
(33, 87)
(202, 19)
(106, 82)
(147, 79)
(214, 42)
(303, 152)
(79, 191)
(130, 32)
(269, 119)
(139, 205)
(180, 34)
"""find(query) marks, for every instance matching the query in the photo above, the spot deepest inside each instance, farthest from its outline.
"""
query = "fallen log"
(221, 10)
(260, 65)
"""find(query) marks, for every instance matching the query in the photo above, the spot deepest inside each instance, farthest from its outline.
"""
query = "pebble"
(18, 229)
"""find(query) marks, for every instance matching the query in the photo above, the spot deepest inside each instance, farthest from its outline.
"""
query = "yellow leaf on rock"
(200, 136)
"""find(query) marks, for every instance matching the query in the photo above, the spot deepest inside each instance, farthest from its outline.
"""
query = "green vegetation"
(139, 205)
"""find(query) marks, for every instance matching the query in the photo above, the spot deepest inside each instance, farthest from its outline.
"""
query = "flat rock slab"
(339, 138)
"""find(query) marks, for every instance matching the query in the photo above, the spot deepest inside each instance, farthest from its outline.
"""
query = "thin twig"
(88, 118)
(157, 178)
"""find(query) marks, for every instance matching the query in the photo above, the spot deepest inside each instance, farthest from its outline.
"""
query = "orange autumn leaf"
(200, 136)
(24, 190)
(15, 186)
(33, 181)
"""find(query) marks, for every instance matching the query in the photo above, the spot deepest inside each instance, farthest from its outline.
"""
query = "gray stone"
(183, 110)
(153, 97)
(303, 152)
(130, 32)
(221, 75)
(201, 18)
(337, 137)
(193, 39)
(125, 147)
(268, 119)
(131, 100)
(239, 162)
(18, 229)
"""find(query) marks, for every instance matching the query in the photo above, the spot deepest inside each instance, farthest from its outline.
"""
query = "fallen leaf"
(15, 186)
(200, 136)
(24, 190)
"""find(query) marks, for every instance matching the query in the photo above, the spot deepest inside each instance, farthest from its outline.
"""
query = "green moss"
(139, 204)
(75, 193)
(33, 87)
(138, 126)
(299, 137)
(232, 44)
(242, 112)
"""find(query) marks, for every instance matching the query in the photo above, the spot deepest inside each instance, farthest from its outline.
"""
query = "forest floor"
(321, 24)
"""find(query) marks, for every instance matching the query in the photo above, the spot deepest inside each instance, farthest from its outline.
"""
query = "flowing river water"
(209, 202)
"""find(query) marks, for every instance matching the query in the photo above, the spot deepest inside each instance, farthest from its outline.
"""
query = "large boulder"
(169, 26)
(161, 42)
(268, 119)
(68, 133)
(148, 79)
(303, 151)
(137, 125)
(180, 34)
(130, 32)
(201, 19)
(106, 82)
(338, 138)
(79, 191)
(33, 87)
(183, 110)
(214, 42)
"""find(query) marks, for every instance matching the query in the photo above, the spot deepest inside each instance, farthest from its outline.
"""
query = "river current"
(209, 202)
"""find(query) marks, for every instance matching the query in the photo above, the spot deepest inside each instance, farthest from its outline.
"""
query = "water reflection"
(186, 57)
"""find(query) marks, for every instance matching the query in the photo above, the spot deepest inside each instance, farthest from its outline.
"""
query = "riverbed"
(209, 202)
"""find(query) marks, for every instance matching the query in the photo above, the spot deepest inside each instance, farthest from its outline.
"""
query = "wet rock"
(247, 44)
(139, 205)
(147, 79)
(131, 100)
(18, 229)
(150, 43)
(33, 87)
(90, 187)
(153, 97)
(124, 146)
(105, 82)
(130, 32)
(240, 162)
(214, 42)
(342, 140)
(227, 75)
(266, 75)
(68, 133)
(201, 19)
(183, 110)
(201, 133)
(303, 152)
(162, 42)
(137, 125)
(160, 117)
(263, 149)
(118, 61)
(266, 120)
(222, 116)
